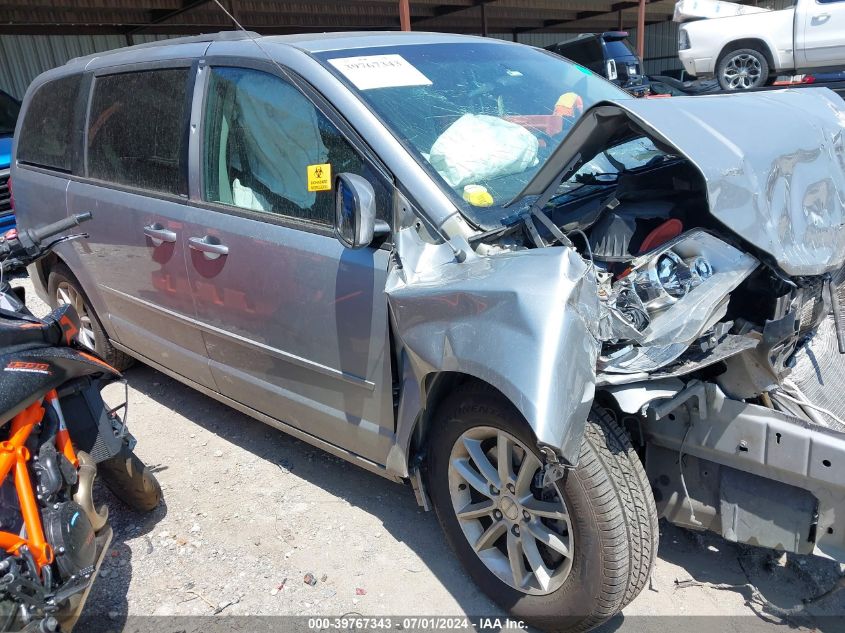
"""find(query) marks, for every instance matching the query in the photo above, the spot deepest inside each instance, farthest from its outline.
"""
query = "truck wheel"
(563, 557)
(742, 69)
(63, 288)
(130, 480)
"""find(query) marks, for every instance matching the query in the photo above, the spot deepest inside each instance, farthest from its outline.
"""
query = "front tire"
(130, 480)
(742, 69)
(573, 553)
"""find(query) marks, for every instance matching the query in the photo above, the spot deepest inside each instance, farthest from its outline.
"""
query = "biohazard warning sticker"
(380, 71)
(320, 177)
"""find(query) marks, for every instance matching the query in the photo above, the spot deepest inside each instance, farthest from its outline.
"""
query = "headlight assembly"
(674, 293)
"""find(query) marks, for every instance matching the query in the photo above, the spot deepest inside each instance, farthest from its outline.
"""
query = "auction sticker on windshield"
(379, 71)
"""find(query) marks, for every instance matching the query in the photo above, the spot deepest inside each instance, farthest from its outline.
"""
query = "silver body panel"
(521, 322)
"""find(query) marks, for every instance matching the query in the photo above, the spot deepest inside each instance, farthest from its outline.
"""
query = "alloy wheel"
(66, 294)
(743, 71)
(519, 529)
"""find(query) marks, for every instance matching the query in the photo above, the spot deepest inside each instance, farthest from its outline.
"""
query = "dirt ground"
(248, 512)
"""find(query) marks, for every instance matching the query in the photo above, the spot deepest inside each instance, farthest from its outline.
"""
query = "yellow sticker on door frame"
(320, 177)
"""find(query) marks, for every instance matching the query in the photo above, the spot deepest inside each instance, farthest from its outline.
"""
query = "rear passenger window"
(46, 138)
(267, 147)
(137, 130)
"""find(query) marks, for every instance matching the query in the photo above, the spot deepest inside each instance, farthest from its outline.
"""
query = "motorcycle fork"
(15, 455)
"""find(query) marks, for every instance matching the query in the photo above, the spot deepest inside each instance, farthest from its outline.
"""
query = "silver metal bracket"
(418, 486)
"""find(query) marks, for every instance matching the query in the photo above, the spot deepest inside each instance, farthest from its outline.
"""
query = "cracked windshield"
(482, 117)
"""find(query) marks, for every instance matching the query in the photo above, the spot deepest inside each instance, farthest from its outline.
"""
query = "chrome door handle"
(209, 249)
(158, 234)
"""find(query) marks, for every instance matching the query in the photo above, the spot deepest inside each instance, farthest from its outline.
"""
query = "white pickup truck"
(746, 48)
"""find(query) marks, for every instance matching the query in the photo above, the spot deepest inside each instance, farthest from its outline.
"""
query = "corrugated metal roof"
(36, 35)
(190, 16)
(24, 57)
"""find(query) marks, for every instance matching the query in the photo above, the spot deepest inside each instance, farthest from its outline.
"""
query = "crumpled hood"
(773, 161)
(5, 151)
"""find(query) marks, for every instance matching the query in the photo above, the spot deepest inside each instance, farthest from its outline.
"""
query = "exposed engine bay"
(680, 293)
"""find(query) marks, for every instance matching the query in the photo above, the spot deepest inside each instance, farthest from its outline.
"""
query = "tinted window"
(46, 136)
(267, 148)
(618, 48)
(137, 130)
(586, 51)
(9, 109)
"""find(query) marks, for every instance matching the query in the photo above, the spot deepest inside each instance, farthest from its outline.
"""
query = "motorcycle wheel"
(130, 480)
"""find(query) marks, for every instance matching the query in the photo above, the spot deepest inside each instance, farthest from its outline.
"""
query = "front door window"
(269, 149)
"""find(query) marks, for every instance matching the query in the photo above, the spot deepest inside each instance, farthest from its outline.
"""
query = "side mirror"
(355, 211)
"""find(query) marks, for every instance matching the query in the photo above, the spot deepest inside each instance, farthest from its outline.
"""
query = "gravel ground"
(248, 512)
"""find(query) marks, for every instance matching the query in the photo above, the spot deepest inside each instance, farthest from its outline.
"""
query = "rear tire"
(610, 509)
(130, 480)
(62, 287)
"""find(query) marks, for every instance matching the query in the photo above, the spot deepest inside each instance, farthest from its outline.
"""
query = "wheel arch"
(416, 415)
(755, 43)
(43, 267)
(438, 386)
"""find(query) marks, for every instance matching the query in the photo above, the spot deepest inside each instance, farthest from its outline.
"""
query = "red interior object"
(547, 123)
(670, 229)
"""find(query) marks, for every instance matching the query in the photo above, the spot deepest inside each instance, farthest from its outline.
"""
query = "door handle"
(209, 249)
(158, 234)
(820, 18)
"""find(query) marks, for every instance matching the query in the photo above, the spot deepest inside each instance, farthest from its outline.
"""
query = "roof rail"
(222, 36)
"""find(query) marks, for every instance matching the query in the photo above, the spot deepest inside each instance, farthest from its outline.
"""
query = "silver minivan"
(558, 312)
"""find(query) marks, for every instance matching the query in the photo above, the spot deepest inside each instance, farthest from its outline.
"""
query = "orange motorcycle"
(56, 436)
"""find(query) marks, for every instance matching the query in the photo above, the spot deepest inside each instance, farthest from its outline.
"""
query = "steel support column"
(405, 15)
(641, 29)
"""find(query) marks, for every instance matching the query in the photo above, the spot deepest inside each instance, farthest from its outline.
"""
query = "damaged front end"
(695, 276)
(523, 322)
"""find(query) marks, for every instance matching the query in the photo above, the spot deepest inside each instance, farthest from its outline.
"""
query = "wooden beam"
(483, 20)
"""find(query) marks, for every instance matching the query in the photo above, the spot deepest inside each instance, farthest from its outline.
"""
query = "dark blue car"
(9, 109)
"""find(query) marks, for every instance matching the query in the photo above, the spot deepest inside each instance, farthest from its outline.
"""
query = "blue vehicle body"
(9, 108)
(7, 216)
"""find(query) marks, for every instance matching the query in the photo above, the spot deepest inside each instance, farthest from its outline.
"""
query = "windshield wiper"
(597, 179)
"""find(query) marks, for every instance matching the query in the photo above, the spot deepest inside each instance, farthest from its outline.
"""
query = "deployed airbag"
(480, 147)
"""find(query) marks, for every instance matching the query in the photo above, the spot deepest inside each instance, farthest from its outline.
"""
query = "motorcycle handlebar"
(55, 228)
(27, 245)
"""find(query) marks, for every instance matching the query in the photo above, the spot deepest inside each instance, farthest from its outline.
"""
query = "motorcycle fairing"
(25, 376)
(21, 331)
